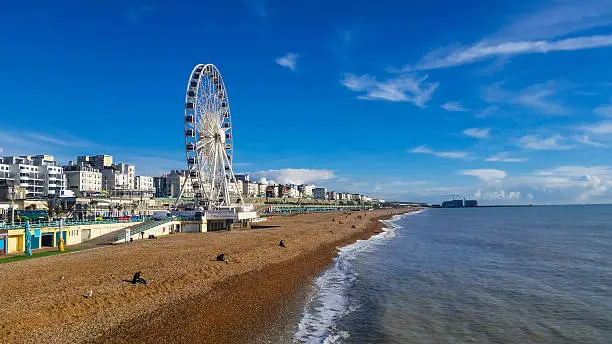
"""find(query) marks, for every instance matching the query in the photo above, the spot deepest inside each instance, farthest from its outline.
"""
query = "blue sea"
(484, 275)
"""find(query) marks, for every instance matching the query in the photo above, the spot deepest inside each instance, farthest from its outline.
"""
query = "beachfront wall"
(163, 229)
(83, 233)
(49, 236)
(194, 227)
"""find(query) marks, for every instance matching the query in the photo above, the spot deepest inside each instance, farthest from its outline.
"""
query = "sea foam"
(329, 301)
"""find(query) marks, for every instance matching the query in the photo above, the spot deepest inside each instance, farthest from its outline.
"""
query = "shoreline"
(211, 304)
(260, 286)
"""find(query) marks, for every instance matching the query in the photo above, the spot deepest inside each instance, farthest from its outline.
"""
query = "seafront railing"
(68, 223)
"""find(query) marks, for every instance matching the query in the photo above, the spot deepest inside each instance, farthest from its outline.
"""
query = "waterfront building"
(272, 191)
(129, 171)
(39, 175)
(243, 177)
(83, 179)
(250, 189)
(319, 193)
(96, 161)
(175, 180)
(9, 190)
(261, 190)
(161, 186)
(145, 185)
(114, 179)
(291, 191)
(332, 195)
(305, 190)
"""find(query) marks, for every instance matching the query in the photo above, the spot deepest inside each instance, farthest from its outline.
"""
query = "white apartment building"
(175, 180)
(130, 172)
(292, 192)
(97, 161)
(83, 179)
(355, 197)
(261, 190)
(332, 196)
(39, 175)
(250, 189)
(305, 190)
(319, 193)
(113, 179)
(144, 183)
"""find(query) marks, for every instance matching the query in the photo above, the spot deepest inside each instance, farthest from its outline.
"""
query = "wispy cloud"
(486, 174)
(289, 60)
(449, 155)
(403, 88)
(558, 18)
(601, 128)
(453, 107)
(603, 110)
(535, 142)
(503, 157)
(484, 50)
(294, 175)
(487, 112)
(479, 133)
(535, 97)
(584, 139)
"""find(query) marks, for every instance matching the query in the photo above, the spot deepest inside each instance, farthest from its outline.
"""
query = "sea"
(540, 274)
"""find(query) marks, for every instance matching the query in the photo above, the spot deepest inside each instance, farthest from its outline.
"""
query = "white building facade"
(144, 183)
(83, 179)
(39, 175)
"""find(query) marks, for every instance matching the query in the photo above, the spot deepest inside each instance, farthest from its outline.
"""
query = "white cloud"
(289, 60)
(503, 157)
(495, 196)
(601, 128)
(450, 155)
(487, 112)
(295, 175)
(604, 110)
(559, 18)
(486, 174)
(479, 133)
(584, 139)
(535, 97)
(543, 143)
(453, 107)
(484, 50)
(403, 88)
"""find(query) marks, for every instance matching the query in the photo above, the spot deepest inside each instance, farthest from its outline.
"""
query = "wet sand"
(189, 298)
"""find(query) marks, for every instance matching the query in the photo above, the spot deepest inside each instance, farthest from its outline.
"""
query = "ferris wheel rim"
(207, 113)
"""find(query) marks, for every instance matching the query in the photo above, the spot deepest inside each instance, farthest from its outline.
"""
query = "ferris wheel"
(209, 141)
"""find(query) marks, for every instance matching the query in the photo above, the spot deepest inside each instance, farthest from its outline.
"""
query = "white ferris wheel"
(208, 141)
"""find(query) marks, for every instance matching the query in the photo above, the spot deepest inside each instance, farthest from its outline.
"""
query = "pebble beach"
(189, 296)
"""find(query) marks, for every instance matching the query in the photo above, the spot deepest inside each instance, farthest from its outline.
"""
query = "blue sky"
(507, 102)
